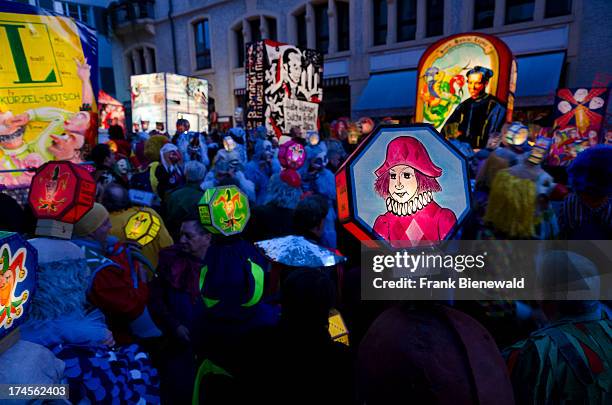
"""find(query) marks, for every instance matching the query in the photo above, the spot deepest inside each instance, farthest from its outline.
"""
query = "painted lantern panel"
(224, 210)
(18, 264)
(465, 87)
(407, 186)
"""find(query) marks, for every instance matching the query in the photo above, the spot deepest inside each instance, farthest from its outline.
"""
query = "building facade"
(371, 47)
(92, 13)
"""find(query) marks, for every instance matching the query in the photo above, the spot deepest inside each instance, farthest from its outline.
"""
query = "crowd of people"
(198, 317)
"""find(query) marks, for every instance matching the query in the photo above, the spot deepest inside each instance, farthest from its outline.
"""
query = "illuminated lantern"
(540, 150)
(353, 134)
(229, 144)
(367, 125)
(421, 184)
(313, 138)
(142, 227)
(18, 264)
(444, 97)
(113, 146)
(60, 194)
(291, 155)
(337, 329)
(224, 210)
(516, 134)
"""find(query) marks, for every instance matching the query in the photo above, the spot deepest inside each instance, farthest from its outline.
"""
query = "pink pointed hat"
(406, 150)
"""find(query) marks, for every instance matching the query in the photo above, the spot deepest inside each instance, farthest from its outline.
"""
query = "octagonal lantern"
(142, 227)
(407, 186)
(60, 194)
(18, 264)
(224, 210)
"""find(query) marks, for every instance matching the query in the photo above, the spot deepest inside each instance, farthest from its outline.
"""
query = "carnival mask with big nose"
(7, 282)
(402, 183)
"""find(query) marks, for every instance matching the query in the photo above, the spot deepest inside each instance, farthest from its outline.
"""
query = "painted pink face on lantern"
(402, 183)
(78, 123)
(296, 154)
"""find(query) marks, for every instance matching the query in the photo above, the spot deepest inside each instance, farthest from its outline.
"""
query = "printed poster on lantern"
(47, 80)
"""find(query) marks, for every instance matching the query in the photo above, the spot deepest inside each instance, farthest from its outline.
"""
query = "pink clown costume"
(407, 181)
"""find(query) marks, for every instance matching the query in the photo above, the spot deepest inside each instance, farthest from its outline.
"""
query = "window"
(519, 11)
(137, 61)
(406, 20)
(322, 30)
(380, 22)
(342, 10)
(48, 4)
(77, 11)
(141, 57)
(255, 31)
(435, 18)
(557, 8)
(271, 28)
(202, 45)
(240, 45)
(131, 65)
(302, 36)
(484, 13)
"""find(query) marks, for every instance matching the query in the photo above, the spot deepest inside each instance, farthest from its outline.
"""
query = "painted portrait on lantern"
(407, 182)
(406, 185)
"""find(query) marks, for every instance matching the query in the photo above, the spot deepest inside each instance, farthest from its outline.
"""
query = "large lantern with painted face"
(406, 186)
(60, 194)
(465, 87)
(18, 264)
(224, 210)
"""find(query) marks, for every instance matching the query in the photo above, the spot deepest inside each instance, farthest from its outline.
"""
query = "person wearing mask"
(228, 168)
(275, 217)
(192, 145)
(103, 158)
(586, 213)
(568, 360)
(177, 307)
(170, 173)
(118, 283)
(183, 201)
(261, 167)
(95, 367)
(317, 178)
(128, 223)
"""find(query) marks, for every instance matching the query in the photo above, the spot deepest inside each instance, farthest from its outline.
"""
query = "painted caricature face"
(294, 67)
(296, 153)
(476, 85)
(402, 183)
(123, 166)
(11, 131)
(7, 282)
(78, 123)
(64, 147)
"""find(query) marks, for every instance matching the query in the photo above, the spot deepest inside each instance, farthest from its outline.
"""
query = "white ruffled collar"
(411, 207)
